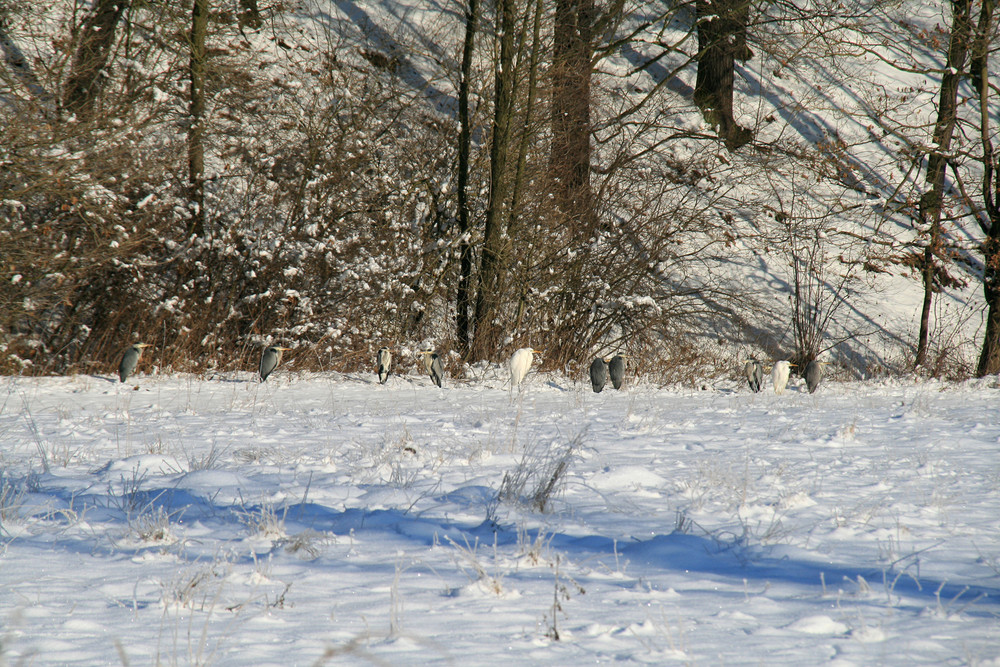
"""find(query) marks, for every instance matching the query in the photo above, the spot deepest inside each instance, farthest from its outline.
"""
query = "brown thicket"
(199, 177)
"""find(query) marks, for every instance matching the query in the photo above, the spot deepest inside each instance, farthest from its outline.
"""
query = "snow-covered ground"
(324, 519)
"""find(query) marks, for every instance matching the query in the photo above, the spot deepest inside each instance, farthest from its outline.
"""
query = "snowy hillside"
(324, 519)
(331, 221)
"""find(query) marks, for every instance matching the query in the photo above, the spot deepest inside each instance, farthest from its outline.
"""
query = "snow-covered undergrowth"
(331, 154)
(324, 519)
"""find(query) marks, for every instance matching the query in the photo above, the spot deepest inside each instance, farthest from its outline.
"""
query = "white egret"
(383, 360)
(779, 375)
(130, 359)
(599, 374)
(433, 366)
(270, 360)
(814, 374)
(755, 375)
(616, 369)
(520, 362)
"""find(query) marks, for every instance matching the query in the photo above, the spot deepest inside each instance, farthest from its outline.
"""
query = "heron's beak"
(285, 349)
(538, 351)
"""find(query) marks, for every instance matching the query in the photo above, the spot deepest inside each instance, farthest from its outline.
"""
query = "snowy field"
(324, 519)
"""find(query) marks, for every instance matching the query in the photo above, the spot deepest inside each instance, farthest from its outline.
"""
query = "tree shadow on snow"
(732, 560)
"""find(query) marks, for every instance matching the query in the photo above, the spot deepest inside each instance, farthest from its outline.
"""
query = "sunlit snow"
(325, 519)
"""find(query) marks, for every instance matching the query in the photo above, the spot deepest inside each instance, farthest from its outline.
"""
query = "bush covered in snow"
(329, 213)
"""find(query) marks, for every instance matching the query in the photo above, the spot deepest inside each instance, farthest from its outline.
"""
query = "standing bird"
(270, 360)
(616, 369)
(779, 375)
(383, 359)
(129, 360)
(598, 374)
(433, 366)
(520, 362)
(814, 373)
(755, 375)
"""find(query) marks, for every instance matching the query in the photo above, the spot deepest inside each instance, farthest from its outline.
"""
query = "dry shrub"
(327, 224)
(331, 213)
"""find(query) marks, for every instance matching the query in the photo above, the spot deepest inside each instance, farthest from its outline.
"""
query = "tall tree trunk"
(196, 129)
(491, 268)
(463, 298)
(524, 145)
(572, 50)
(527, 133)
(722, 40)
(989, 357)
(937, 161)
(927, 272)
(96, 37)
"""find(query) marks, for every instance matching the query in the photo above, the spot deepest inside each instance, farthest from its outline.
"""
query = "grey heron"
(130, 359)
(433, 366)
(270, 360)
(779, 375)
(814, 374)
(383, 360)
(599, 374)
(755, 375)
(616, 369)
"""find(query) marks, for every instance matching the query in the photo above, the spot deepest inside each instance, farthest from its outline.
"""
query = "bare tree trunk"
(931, 200)
(722, 32)
(97, 36)
(927, 272)
(463, 298)
(491, 268)
(527, 132)
(989, 357)
(524, 145)
(196, 129)
(572, 50)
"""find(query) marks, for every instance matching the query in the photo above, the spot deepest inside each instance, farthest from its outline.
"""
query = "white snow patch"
(818, 625)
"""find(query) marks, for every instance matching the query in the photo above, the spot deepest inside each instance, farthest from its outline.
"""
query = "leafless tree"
(572, 56)
(931, 201)
(722, 40)
(95, 39)
(989, 217)
(463, 298)
(197, 120)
